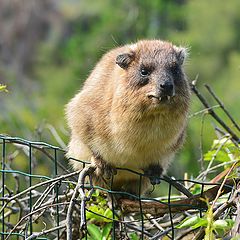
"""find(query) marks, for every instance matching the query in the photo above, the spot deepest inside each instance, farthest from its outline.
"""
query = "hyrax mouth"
(162, 98)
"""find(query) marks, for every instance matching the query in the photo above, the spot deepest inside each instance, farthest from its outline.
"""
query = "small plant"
(3, 88)
(99, 217)
(228, 154)
(219, 227)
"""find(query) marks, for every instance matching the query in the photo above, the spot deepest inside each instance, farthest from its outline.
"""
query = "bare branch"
(81, 179)
(222, 106)
(196, 201)
(234, 137)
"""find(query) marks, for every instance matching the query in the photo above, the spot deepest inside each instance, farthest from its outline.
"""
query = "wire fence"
(42, 199)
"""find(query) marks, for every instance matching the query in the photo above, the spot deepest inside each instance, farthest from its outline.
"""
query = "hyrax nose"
(167, 88)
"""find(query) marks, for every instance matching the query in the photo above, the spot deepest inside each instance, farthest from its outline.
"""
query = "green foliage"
(63, 61)
(99, 217)
(219, 227)
(223, 150)
(98, 210)
(97, 233)
(3, 88)
(133, 236)
(189, 222)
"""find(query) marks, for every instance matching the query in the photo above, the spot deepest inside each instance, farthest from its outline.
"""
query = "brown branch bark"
(159, 209)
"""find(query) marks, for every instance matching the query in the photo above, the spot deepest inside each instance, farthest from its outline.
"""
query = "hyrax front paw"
(154, 172)
(104, 169)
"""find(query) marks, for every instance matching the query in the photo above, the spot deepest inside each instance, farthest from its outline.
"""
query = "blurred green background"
(48, 48)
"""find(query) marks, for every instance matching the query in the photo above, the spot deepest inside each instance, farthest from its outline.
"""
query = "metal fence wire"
(40, 200)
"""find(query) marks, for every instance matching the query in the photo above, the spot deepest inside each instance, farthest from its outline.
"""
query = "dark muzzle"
(167, 89)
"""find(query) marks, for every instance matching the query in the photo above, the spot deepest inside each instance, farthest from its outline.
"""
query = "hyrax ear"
(124, 59)
(182, 54)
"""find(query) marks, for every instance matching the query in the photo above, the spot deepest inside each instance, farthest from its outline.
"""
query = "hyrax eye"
(145, 72)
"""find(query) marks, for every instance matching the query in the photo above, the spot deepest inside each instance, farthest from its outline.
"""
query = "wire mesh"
(37, 189)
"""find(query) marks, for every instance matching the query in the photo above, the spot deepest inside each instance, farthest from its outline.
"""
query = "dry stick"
(138, 229)
(196, 201)
(84, 172)
(180, 187)
(42, 149)
(36, 186)
(44, 195)
(234, 137)
(222, 106)
(159, 227)
(30, 214)
(205, 110)
(70, 210)
(216, 167)
(222, 185)
(61, 198)
(236, 228)
(36, 235)
(88, 172)
(201, 160)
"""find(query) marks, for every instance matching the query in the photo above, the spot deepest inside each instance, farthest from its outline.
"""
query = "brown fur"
(113, 117)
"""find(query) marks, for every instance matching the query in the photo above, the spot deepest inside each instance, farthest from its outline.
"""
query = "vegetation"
(3, 88)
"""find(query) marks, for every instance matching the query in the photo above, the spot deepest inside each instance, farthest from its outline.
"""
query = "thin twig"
(70, 210)
(85, 172)
(30, 214)
(180, 187)
(205, 110)
(57, 179)
(236, 228)
(45, 232)
(222, 106)
(201, 140)
(213, 158)
(219, 193)
(234, 137)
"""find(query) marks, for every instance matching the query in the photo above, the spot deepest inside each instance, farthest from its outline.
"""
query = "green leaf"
(133, 236)
(223, 224)
(106, 231)
(95, 193)
(220, 224)
(221, 156)
(230, 222)
(196, 189)
(220, 232)
(3, 88)
(94, 231)
(188, 222)
(108, 214)
(95, 213)
(201, 223)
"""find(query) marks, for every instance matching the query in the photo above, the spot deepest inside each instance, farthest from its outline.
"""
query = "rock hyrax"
(131, 113)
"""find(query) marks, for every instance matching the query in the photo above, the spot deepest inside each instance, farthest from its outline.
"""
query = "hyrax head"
(153, 69)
